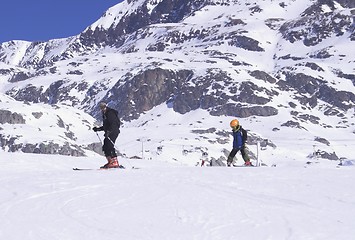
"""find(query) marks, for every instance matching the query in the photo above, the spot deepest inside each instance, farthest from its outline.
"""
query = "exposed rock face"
(50, 148)
(7, 116)
(153, 87)
(318, 90)
(143, 91)
(316, 26)
(164, 12)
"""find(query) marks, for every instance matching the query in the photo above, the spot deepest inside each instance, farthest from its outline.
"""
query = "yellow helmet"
(234, 123)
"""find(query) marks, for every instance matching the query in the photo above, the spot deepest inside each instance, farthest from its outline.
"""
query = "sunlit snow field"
(43, 198)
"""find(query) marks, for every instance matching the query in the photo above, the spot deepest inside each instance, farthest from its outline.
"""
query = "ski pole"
(114, 145)
(99, 137)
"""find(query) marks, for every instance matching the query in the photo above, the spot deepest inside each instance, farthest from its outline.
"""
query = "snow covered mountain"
(284, 68)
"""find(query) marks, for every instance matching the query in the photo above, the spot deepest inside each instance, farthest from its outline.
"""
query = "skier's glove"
(95, 129)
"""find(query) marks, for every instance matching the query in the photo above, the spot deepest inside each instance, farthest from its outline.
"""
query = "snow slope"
(42, 198)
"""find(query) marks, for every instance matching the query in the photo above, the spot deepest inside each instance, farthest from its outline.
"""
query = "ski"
(252, 166)
(85, 169)
(91, 169)
(242, 166)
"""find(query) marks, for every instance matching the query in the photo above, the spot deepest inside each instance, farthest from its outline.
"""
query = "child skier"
(239, 141)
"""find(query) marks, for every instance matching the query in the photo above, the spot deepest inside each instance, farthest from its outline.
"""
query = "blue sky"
(41, 20)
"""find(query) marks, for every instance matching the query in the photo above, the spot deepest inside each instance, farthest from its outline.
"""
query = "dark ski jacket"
(111, 121)
(239, 137)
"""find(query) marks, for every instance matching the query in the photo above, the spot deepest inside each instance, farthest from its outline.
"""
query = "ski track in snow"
(42, 198)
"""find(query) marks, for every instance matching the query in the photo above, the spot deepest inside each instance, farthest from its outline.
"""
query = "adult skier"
(111, 127)
(239, 140)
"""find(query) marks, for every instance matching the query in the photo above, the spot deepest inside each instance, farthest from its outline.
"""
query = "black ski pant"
(234, 151)
(109, 145)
